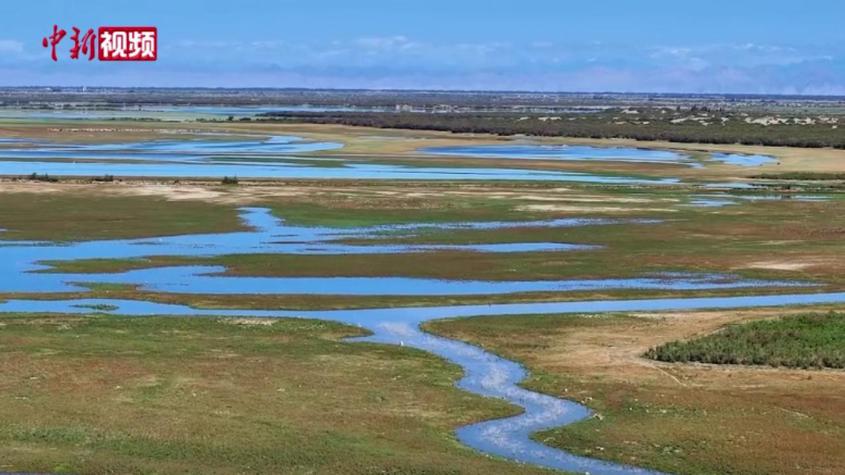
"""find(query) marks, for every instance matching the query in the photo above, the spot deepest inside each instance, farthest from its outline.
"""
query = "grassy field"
(802, 341)
(684, 419)
(97, 394)
(75, 214)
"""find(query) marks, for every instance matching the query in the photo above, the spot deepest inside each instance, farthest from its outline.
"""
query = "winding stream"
(484, 373)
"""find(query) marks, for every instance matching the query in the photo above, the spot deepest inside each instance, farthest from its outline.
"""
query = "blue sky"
(738, 46)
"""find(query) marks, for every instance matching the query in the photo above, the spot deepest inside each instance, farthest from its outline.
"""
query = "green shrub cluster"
(45, 177)
(803, 341)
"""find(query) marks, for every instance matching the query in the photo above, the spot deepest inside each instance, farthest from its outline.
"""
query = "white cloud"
(405, 62)
(386, 42)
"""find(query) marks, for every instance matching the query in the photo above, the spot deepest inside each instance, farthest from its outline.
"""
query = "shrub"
(802, 341)
(45, 177)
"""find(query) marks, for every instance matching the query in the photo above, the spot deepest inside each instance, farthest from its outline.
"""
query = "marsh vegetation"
(803, 341)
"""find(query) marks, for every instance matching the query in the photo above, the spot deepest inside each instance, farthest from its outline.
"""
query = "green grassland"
(803, 341)
(101, 394)
(84, 215)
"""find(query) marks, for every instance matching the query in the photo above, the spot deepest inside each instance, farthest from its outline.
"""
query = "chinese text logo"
(111, 43)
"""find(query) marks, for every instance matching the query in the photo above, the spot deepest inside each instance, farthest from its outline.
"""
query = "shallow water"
(719, 200)
(273, 157)
(271, 235)
(565, 152)
(268, 234)
(166, 151)
(165, 112)
(350, 171)
(743, 160)
(582, 152)
(731, 185)
(208, 280)
(707, 202)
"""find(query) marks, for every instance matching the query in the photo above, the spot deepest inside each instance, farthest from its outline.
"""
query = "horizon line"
(400, 90)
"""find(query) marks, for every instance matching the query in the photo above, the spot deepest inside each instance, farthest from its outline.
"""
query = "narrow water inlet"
(564, 152)
(212, 280)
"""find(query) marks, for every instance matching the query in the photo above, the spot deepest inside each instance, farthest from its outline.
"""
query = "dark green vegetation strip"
(803, 341)
(102, 394)
(810, 176)
(646, 124)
